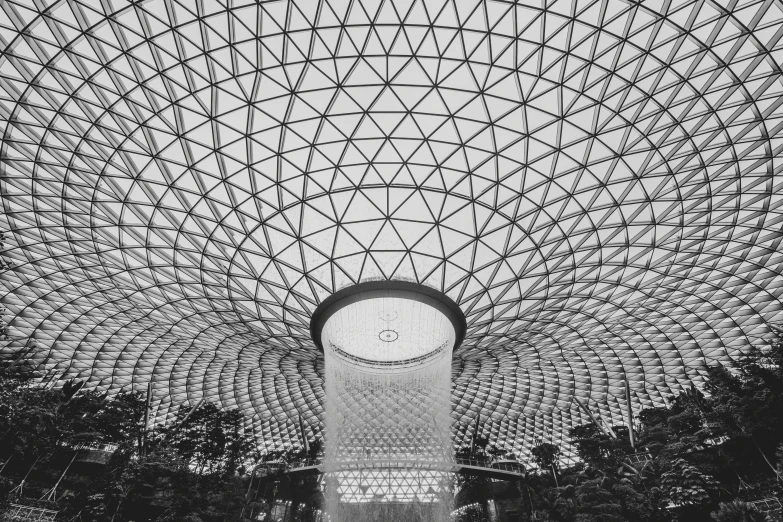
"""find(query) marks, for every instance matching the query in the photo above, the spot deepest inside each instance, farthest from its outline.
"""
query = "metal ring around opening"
(375, 289)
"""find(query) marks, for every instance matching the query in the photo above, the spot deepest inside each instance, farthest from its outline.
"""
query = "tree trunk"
(116, 510)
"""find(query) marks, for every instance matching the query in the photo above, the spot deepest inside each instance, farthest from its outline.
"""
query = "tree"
(641, 503)
(118, 419)
(597, 503)
(212, 439)
(546, 455)
(191, 478)
(597, 449)
(679, 428)
(685, 484)
(747, 401)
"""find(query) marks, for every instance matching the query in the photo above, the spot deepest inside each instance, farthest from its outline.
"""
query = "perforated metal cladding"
(596, 183)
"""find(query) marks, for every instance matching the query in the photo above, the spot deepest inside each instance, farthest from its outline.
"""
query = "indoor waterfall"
(388, 436)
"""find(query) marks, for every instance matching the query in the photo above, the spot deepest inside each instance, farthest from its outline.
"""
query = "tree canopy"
(193, 470)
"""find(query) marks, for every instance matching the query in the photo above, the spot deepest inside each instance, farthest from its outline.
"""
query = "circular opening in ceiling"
(387, 323)
(357, 333)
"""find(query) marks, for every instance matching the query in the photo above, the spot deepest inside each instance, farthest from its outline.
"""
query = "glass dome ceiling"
(596, 183)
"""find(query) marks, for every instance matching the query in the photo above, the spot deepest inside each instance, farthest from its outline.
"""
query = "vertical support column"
(146, 419)
(630, 414)
(305, 444)
(184, 420)
(603, 427)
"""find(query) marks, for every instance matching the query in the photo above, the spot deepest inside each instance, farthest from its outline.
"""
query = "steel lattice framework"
(595, 182)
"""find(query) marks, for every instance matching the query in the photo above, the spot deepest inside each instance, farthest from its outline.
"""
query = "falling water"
(388, 445)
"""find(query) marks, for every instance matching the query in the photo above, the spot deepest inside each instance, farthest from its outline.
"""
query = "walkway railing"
(108, 447)
(20, 512)
(509, 468)
(95, 452)
(639, 458)
(768, 505)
